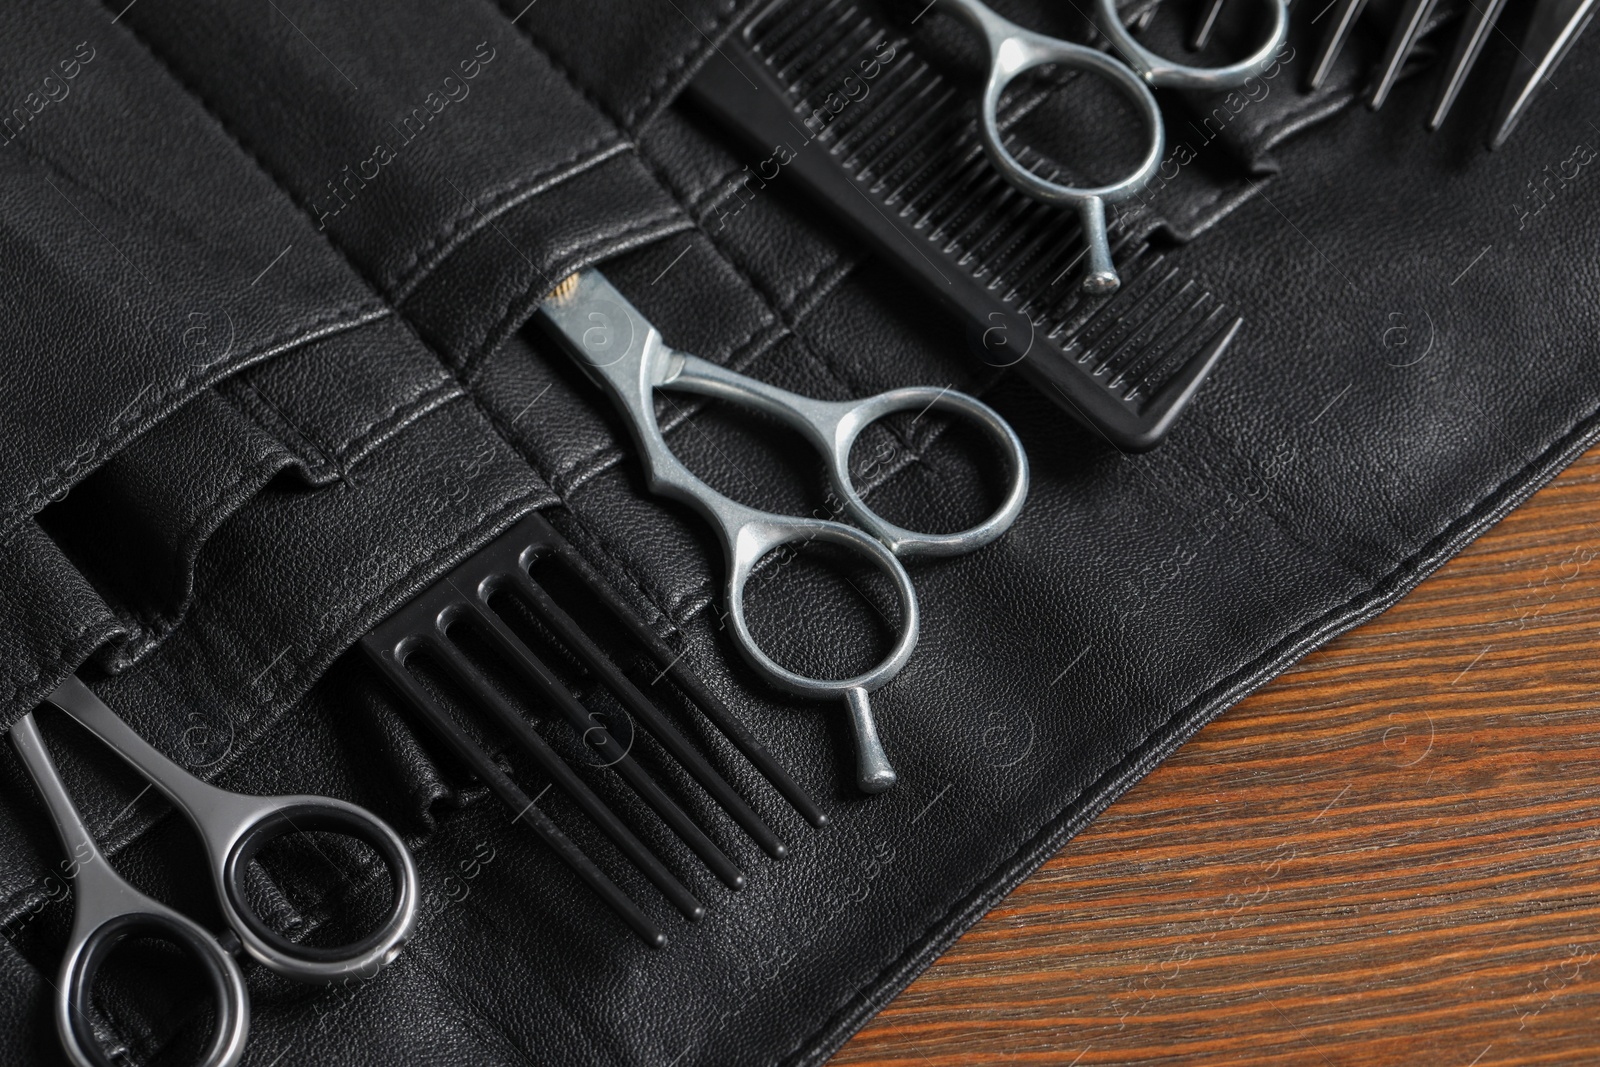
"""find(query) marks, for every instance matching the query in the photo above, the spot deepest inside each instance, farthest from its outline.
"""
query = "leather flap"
(455, 164)
(128, 307)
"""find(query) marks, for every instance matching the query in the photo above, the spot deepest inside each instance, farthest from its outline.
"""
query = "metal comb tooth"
(1404, 38)
(1554, 27)
(903, 164)
(461, 598)
(1480, 19)
(1343, 20)
(1208, 23)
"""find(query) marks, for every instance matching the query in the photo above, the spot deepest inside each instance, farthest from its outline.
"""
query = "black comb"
(462, 599)
(903, 166)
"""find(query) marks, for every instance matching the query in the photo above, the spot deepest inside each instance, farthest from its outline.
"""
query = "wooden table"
(1390, 855)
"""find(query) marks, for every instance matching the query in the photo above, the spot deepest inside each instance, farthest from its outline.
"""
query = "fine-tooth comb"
(428, 627)
(904, 167)
(1554, 26)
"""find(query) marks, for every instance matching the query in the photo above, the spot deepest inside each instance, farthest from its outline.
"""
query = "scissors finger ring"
(233, 829)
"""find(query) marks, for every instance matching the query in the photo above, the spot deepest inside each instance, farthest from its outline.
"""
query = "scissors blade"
(1344, 15)
(1404, 38)
(1480, 19)
(1556, 25)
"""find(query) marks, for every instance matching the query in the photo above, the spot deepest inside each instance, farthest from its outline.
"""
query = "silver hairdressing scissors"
(234, 829)
(1133, 69)
(618, 348)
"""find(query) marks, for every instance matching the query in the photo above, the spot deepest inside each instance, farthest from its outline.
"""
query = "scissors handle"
(109, 911)
(235, 828)
(1013, 51)
(618, 348)
(1166, 74)
(833, 428)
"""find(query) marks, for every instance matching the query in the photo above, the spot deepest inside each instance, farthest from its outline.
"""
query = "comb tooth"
(696, 690)
(990, 192)
(1145, 340)
(840, 54)
(911, 151)
(883, 156)
(932, 125)
(390, 663)
(534, 671)
(1219, 339)
(784, 68)
(1003, 228)
(895, 87)
(1556, 25)
(1404, 38)
(1109, 315)
(1151, 377)
(601, 666)
(1207, 23)
(937, 148)
(1124, 326)
(1049, 233)
(469, 678)
(771, 32)
(951, 191)
(1333, 41)
(927, 123)
(1480, 19)
(780, 48)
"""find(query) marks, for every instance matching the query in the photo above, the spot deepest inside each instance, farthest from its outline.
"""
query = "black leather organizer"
(271, 372)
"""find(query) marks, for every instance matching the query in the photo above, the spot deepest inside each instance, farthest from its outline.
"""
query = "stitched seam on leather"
(419, 266)
(155, 626)
(660, 84)
(434, 396)
(1482, 510)
(260, 409)
(336, 456)
(307, 210)
(53, 663)
(321, 449)
(629, 119)
(92, 452)
(503, 513)
(774, 307)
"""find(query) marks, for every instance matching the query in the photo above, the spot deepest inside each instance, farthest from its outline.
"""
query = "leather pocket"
(455, 164)
(138, 525)
(137, 278)
(647, 54)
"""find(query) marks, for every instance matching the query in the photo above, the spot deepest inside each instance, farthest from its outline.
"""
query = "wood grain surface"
(1390, 855)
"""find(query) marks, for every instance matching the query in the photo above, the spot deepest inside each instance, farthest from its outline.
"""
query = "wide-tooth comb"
(462, 599)
(903, 166)
(1553, 28)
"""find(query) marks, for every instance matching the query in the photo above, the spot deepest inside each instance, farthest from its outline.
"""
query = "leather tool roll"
(1416, 360)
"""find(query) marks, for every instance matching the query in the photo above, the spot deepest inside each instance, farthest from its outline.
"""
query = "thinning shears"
(1132, 69)
(625, 355)
(234, 829)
